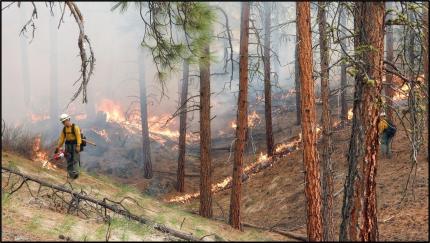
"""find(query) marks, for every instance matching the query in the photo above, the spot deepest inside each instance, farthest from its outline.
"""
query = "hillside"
(27, 217)
(275, 196)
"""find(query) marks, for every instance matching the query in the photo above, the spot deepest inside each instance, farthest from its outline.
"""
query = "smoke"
(115, 38)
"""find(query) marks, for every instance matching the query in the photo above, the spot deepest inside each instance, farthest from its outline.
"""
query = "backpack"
(83, 138)
(390, 130)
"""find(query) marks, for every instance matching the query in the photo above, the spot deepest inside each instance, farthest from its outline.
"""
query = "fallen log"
(103, 203)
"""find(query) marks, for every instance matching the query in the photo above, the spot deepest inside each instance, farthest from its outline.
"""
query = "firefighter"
(71, 135)
(387, 130)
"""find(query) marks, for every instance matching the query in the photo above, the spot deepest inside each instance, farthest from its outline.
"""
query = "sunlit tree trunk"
(242, 120)
(205, 137)
(308, 121)
(182, 128)
(53, 91)
(146, 149)
(327, 170)
(373, 27)
(389, 92)
(343, 78)
(267, 80)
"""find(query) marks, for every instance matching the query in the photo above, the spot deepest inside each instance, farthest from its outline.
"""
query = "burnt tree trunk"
(53, 84)
(327, 170)
(267, 81)
(343, 78)
(308, 121)
(297, 83)
(180, 185)
(373, 27)
(242, 120)
(146, 149)
(389, 92)
(205, 137)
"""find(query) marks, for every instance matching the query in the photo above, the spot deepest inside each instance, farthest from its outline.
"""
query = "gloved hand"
(78, 149)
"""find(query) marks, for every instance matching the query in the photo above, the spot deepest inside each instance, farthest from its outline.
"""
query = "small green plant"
(66, 225)
(34, 223)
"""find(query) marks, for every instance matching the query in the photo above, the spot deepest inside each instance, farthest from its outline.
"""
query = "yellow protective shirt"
(383, 124)
(70, 136)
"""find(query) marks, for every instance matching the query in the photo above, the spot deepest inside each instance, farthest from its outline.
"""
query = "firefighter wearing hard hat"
(387, 130)
(71, 135)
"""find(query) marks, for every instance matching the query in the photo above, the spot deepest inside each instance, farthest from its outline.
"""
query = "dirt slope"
(27, 218)
(275, 196)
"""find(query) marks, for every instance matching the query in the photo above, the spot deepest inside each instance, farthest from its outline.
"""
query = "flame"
(36, 117)
(253, 120)
(41, 156)
(350, 114)
(102, 133)
(132, 123)
(81, 116)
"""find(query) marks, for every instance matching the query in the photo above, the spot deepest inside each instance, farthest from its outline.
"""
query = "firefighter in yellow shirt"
(71, 135)
(387, 130)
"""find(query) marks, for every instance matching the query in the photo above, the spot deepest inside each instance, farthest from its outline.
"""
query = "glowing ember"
(41, 156)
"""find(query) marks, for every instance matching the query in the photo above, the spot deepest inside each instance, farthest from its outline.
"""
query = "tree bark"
(267, 80)
(327, 170)
(297, 83)
(373, 27)
(343, 77)
(426, 50)
(53, 91)
(205, 137)
(242, 120)
(310, 154)
(180, 186)
(146, 149)
(389, 92)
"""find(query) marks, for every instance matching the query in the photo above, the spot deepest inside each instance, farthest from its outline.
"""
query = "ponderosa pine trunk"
(267, 80)
(297, 84)
(146, 149)
(180, 184)
(205, 137)
(308, 121)
(327, 170)
(426, 50)
(373, 35)
(343, 78)
(242, 120)
(352, 188)
(389, 92)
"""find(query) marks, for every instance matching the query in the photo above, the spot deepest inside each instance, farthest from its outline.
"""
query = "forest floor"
(275, 196)
(25, 218)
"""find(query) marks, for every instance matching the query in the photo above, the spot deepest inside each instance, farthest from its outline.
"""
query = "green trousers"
(73, 159)
(386, 144)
